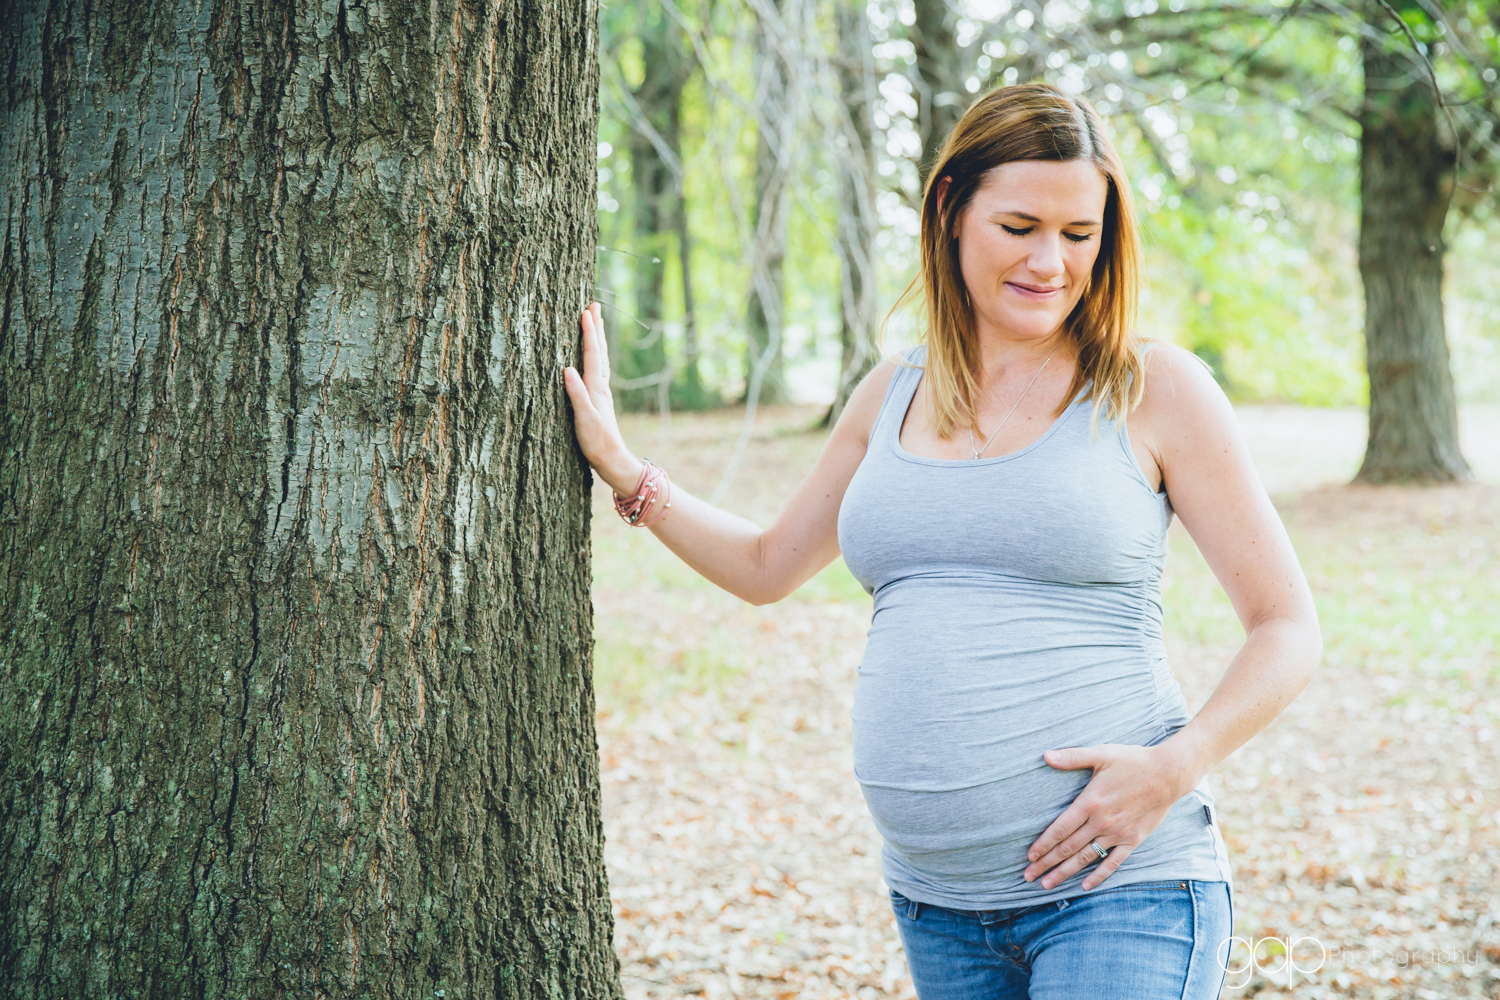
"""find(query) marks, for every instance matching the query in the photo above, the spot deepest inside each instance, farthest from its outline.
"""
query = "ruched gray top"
(1017, 610)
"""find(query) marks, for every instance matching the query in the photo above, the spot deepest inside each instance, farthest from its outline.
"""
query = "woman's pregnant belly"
(961, 690)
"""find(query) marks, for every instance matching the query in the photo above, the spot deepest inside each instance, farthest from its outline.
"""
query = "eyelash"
(1022, 232)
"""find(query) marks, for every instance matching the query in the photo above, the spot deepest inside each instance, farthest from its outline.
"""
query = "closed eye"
(1072, 237)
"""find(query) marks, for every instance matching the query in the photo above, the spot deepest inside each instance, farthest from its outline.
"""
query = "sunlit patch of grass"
(654, 626)
(1194, 605)
(833, 582)
(661, 629)
(686, 634)
(632, 671)
(1419, 595)
(1404, 582)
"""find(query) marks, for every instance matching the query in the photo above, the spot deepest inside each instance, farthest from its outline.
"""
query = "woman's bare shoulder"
(1180, 386)
(1189, 426)
(858, 419)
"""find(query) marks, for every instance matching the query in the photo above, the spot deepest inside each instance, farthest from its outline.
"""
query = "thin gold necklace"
(978, 451)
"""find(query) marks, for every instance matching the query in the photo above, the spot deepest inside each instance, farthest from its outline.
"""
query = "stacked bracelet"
(637, 509)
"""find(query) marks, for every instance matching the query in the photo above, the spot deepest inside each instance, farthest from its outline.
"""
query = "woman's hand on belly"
(1127, 798)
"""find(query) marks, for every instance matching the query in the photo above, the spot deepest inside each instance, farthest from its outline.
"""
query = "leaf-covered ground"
(1364, 823)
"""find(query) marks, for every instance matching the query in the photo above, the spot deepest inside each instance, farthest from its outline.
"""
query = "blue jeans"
(1148, 941)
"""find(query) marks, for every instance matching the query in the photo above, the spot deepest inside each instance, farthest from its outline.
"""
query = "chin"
(1030, 325)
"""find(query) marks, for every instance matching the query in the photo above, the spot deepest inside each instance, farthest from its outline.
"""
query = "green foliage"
(1237, 127)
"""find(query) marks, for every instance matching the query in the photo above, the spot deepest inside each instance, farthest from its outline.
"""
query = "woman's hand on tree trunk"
(594, 421)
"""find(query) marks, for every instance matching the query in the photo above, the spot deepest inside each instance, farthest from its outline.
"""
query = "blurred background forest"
(760, 164)
(1317, 186)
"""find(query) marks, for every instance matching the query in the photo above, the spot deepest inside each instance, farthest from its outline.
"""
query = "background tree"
(294, 558)
(1241, 125)
(940, 71)
(640, 364)
(1409, 139)
(1406, 183)
(858, 222)
(775, 164)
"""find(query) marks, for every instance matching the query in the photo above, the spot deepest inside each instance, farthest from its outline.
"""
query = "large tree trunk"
(855, 153)
(765, 376)
(640, 363)
(1406, 181)
(941, 98)
(294, 557)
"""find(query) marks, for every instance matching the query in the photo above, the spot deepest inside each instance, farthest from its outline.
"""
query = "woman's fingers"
(595, 355)
(1047, 851)
(1082, 858)
(1074, 850)
(1085, 856)
(1068, 869)
(593, 406)
(590, 361)
(588, 423)
(1117, 856)
(602, 347)
(578, 393)
(595, 349)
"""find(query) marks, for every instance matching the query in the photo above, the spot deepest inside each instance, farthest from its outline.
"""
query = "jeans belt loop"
(912, 907)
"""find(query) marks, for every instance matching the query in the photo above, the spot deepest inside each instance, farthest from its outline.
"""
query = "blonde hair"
(1033, 121)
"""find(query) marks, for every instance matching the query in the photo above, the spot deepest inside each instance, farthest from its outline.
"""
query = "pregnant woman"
(1019, 737)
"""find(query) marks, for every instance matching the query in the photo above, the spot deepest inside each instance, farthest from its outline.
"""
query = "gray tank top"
(1017, 610)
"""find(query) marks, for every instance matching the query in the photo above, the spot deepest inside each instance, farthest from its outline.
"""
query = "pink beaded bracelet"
(636, 509)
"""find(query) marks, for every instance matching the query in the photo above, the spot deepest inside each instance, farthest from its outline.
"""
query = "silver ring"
(1099, 850)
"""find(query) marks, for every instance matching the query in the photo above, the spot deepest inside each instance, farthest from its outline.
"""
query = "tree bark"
(294, 558)
(941, 98)
(857, 221)
(1406, 182)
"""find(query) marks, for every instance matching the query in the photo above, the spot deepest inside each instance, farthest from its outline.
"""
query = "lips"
(1039, 292)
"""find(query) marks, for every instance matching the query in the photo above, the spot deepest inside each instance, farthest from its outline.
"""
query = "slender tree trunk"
(656, 167)
(689, 391)
(941, 98)
(294, 557)
(766, 314)
(856, 220)
(1406, 181)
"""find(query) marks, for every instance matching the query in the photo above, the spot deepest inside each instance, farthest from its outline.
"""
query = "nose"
(1046, 259)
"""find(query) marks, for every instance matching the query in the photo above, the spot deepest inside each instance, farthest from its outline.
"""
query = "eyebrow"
(1032, 218)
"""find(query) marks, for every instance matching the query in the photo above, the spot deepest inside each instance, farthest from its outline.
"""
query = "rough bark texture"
(941, 98)
(857, 222)
(294, 573)
(1406, 181)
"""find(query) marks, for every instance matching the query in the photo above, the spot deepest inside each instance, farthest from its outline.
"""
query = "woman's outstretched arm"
(758, 566)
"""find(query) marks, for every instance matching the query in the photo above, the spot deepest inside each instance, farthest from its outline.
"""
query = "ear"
(942, 195)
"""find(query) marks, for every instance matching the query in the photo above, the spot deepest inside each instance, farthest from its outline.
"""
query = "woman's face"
(1027, 242)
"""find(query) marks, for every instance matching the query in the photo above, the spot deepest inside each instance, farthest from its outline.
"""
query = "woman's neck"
(999, 354)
